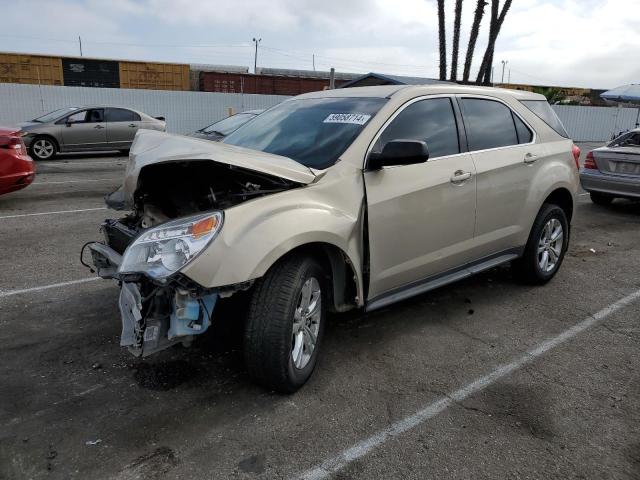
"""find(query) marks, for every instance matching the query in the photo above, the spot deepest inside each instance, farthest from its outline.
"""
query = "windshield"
(49, 117)
(229, 124)
(313, 132)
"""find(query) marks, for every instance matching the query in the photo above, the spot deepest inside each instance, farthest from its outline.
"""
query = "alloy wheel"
(550, 245)
(306, 323)
(43, 148)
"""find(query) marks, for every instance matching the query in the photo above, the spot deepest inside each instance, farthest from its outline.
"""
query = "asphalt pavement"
(485, 378)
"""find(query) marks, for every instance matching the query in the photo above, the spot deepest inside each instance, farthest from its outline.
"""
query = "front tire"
(546, 247)
(285, 324)
(601, 198)
(42, 148)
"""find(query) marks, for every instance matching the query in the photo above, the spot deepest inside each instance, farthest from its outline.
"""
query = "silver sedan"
(613, 171)
(75, 129)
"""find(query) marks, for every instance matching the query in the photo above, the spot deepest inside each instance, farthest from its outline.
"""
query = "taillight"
(13, 143)
(590, 162)
(576, 155)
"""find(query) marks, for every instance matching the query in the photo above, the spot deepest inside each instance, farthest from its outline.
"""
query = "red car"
(16, 167)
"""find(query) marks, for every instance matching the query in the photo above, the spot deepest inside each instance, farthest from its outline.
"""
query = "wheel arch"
(340, 270)
(563, 198)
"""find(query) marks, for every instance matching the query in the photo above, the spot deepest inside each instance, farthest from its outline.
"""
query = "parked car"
(334, 200)
(220, 129)
(613, 171)
(75, 129)
(16, 168)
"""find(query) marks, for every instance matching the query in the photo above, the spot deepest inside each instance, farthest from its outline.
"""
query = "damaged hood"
(150, 147)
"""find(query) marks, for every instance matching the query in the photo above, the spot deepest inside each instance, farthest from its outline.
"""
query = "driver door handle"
(132, 125)
(98, 126)
(460, 176)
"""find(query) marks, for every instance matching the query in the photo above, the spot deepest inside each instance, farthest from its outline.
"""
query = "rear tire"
(601, 198)
(546, 247)
(42, 148)
(286, 312)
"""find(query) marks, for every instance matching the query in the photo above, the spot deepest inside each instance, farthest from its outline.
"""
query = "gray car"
(74, 129)
(613, 171)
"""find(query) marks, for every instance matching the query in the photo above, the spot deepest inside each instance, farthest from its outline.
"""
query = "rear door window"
(489, 124)
(432, 121)
(544, 111)
(121, 115)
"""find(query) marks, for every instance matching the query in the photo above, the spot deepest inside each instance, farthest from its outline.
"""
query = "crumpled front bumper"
(155, 316)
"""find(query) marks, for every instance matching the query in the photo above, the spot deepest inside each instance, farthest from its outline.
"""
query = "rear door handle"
(460, 176)
(98, 127)
(132, 125)
(530, 158)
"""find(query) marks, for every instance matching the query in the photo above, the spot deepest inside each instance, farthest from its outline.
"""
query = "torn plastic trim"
(105, 259)
(167, 317)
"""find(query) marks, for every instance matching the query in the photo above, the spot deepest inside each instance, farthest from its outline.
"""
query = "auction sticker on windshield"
(354, 118)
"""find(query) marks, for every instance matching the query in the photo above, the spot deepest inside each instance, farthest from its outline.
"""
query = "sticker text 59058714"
(354, 118)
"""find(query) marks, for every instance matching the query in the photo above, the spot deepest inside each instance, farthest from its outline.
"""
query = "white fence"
(184, 111)
(596, 124)
(189, 111)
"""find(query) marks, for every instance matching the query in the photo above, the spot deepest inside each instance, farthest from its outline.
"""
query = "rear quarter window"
(543, 110)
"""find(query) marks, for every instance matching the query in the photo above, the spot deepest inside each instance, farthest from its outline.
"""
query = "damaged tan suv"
(329, 201)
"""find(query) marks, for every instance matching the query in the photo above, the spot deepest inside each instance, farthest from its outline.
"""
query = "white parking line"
(362, 448)
(53, 213)
(9, 293)
(76, 181)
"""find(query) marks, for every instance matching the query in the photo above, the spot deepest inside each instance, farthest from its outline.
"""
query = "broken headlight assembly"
(163, 250)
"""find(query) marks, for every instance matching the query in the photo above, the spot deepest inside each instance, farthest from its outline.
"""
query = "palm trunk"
(473, 37)
(456, 41)
(443, 41)
(496, 24)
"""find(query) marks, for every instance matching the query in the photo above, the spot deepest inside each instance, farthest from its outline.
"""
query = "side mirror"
(399, 152)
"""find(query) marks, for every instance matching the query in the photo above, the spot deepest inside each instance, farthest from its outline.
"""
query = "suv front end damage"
(176, 190)
(159, 306)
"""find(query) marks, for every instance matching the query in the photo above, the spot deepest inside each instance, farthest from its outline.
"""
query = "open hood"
(153, 147)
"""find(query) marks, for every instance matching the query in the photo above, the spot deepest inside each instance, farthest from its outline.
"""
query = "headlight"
(165, 249)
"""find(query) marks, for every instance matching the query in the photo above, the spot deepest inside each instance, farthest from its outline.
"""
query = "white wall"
(189, 111)
(184, 111)
(595, 124)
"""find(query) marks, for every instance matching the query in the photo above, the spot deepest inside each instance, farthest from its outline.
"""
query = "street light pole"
(504, 64)
(255, 57)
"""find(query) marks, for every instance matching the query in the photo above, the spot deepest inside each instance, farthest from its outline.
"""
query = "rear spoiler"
(160, 118)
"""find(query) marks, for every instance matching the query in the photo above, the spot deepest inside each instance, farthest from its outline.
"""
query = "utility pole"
(332, 78)
(80, 42)
(255, 57)
(504, 64)
(313, 60)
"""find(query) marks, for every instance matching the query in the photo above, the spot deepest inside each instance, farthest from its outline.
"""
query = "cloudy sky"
(591, 43)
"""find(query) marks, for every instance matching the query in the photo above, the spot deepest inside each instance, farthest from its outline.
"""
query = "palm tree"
(473, 37)
(456, 40)
(497, 19)
(443, 41)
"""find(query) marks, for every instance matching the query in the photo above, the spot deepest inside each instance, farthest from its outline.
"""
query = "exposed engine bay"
(160, 312)
(176, 189)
